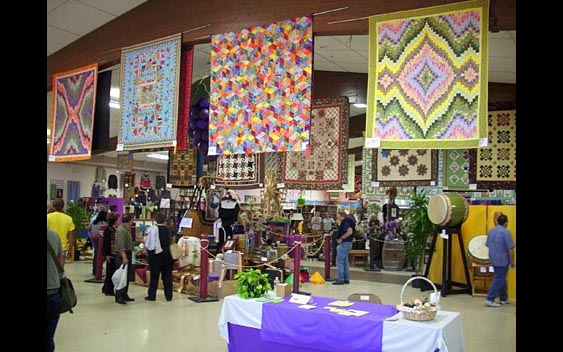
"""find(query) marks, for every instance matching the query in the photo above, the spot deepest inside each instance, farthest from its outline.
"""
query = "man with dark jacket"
(344, 239)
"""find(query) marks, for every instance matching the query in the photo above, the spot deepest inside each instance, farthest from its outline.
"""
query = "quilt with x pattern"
(150, 74)
(72, 118)
(427, 83)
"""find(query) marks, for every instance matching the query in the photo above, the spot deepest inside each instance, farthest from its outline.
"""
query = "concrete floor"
(99, 324)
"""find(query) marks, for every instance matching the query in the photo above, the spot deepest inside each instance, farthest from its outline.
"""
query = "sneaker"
(147, 298)
(491, 303)
(338, 283)
(347, 282)
(505, 302)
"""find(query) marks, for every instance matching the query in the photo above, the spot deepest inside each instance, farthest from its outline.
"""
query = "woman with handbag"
(108, 252)
(157, 244)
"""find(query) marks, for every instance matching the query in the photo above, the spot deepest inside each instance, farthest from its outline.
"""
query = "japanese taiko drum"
(447, 208)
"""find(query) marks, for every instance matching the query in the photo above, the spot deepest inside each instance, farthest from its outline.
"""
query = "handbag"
(175, 251)
(68, 295)
(119, 278)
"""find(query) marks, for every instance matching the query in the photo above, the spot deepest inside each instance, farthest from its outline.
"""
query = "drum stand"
(447, 281)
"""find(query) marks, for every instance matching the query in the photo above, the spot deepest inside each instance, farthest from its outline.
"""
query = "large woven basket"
(418, 315)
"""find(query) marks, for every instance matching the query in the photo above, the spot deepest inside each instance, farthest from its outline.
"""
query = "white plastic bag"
(119, 277)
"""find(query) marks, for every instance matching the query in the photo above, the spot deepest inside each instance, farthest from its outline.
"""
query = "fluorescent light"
(114, 92)
(114, 104)
(158, 156)
(48, 141)
(360, 105)
(48, 131)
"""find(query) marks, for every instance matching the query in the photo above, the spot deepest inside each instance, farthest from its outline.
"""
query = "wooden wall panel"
(158, 18)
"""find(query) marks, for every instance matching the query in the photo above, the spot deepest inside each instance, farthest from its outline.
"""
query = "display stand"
(447, 281)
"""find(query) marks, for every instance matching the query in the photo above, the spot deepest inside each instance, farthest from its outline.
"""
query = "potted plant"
(418, 228)
(252, 283)
(80, 217)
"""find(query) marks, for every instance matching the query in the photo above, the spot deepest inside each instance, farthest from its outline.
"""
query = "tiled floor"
(99, 324)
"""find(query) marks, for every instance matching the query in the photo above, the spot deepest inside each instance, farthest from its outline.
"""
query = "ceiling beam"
(159, 18)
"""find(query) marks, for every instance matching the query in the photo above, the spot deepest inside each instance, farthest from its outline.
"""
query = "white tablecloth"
(445, 332)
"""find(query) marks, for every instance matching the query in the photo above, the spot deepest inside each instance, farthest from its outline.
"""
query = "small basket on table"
(418, 309)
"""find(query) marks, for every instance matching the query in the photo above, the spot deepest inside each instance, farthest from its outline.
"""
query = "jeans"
(499, 285)
(342, 261)
(53, 313)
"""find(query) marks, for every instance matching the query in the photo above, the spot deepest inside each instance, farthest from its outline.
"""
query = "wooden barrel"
(448, 208)
(393, 255)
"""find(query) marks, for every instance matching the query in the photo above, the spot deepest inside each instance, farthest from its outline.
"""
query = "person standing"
(327, 225)
(501, 254)
(160, 261)
(124, 248)
(228, 213)
(316, 225)
(109, 253)
(63, 225)
(344, 239)
(54, 300)
(95, 229)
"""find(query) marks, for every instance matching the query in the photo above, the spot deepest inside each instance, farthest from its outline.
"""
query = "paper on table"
(357, 313)
(341, 303)
(307, 306)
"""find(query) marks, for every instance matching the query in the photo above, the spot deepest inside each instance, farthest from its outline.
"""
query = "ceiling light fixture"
(157, 156)
(114, 104)
(360, 105)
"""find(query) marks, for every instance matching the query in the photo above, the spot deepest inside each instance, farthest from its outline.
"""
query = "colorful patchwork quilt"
(260, 88)
(150, 74)
(427, 84)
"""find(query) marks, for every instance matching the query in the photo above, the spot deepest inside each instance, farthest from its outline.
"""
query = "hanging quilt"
(456, 168)
(351, 167)
(405, 167)
(368, 189)
(240, 171)
(273, 164)
(182, 167)
(149, 94)
(495, 165)
(72, 117)
(323, 166)
(186, 70)
(427, 83)
(260, 88)
(125, 161)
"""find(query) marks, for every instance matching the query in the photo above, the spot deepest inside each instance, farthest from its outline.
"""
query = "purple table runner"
(321, 330)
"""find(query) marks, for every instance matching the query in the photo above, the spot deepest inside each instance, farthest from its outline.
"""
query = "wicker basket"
(410, 313)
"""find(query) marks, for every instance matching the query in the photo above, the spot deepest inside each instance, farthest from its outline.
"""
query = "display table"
(250, 325)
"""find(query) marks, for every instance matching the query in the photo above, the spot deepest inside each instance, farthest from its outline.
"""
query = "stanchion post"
(99, 258)
(204, 267)
(327, 255)
(296, 266)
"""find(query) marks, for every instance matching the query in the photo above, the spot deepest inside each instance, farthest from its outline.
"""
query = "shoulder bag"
(68, 295)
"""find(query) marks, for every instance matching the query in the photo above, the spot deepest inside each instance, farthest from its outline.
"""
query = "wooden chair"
(365, 297)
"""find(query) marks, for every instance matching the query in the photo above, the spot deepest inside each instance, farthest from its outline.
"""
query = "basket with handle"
(423, 313)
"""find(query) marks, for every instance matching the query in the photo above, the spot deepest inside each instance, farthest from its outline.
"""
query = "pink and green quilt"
(427, 83)
(72, 118)
(260, 88)
(150, 74)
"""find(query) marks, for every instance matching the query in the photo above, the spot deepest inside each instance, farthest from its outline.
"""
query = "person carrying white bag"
(124, 248)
